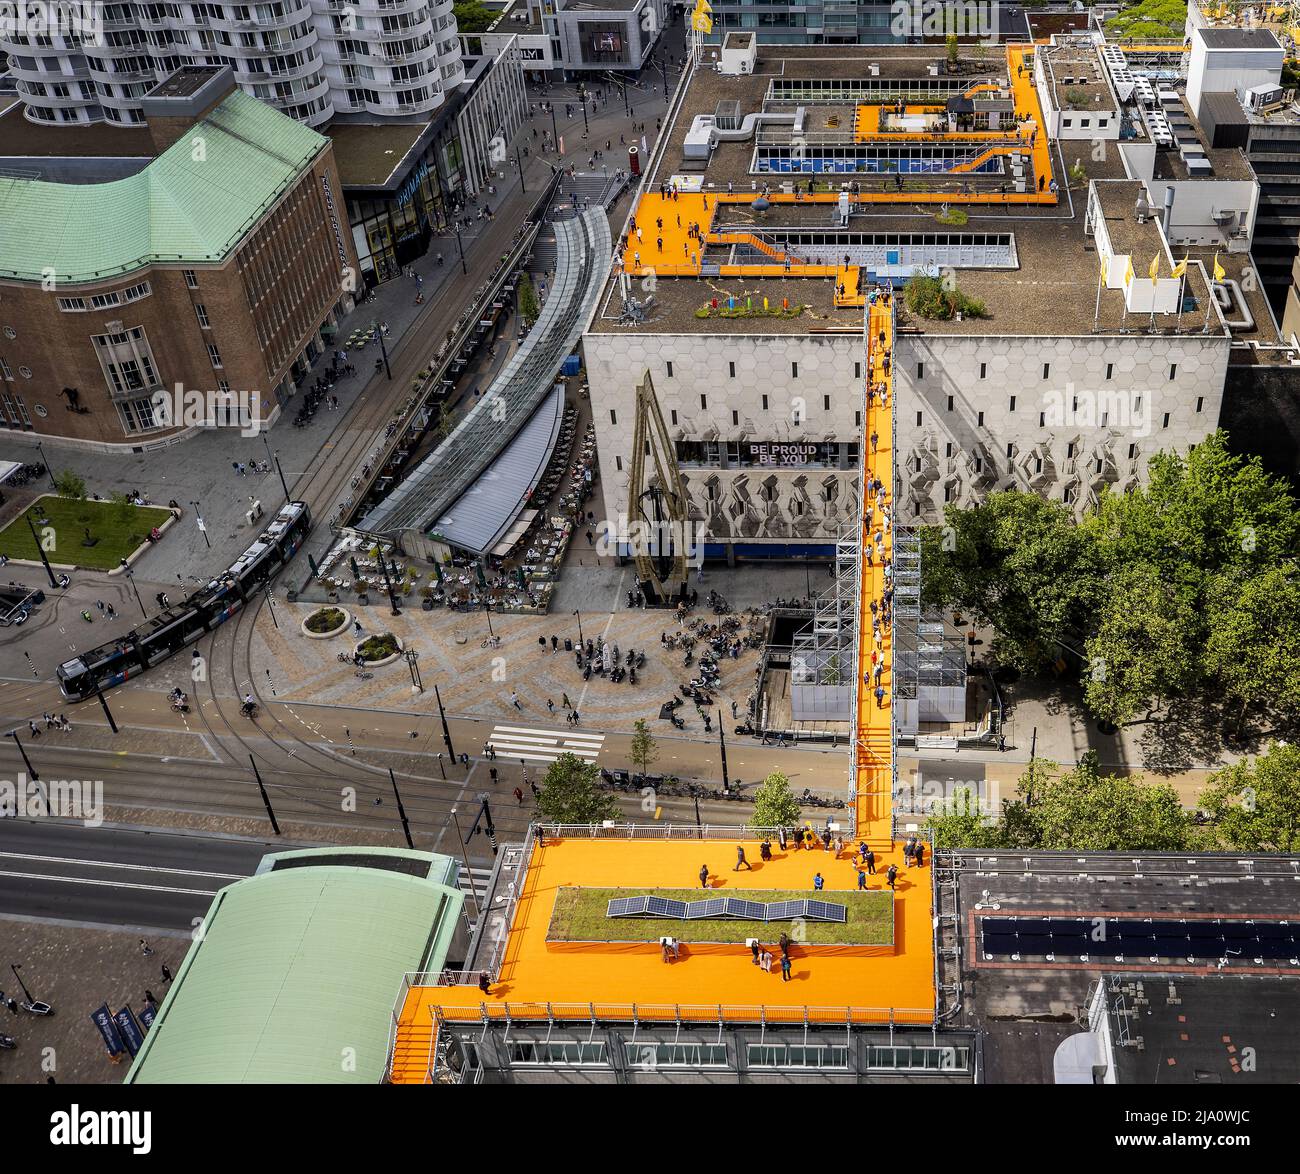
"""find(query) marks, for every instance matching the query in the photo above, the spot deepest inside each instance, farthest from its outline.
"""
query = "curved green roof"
(294, 978)
(194, 203)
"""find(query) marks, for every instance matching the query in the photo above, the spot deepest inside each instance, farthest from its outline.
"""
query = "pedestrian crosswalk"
(543, 745)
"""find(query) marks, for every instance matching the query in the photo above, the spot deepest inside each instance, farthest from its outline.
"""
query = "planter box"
(347, 623)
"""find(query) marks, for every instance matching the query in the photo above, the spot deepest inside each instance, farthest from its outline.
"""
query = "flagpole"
(1182, 289)
(1096, 314)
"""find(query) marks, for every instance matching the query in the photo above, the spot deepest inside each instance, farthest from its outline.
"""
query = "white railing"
(657, 831)
(692, 1013)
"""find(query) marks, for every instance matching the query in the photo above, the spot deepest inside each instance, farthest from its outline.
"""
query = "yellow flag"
(701, 22)
(1103, 269)
(1219, 271)
(765, 303)
(703, 6)
(1128, 272)
(1155, 268)
(1179, 269)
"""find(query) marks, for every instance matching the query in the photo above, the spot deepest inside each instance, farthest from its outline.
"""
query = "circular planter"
(376, 664)
(343, 627)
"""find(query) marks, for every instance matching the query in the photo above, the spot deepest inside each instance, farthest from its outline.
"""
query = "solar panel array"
(738, 908)
(1141, 938)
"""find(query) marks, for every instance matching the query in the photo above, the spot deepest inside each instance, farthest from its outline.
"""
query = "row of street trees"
(1249, 807)
(1188, 587)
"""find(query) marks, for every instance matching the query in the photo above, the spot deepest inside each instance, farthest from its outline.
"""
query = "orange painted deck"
(666, 248)
(613, 977)
(875, 747)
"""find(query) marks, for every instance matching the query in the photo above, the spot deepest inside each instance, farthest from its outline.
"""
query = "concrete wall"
(1077, 401)
(796, 412)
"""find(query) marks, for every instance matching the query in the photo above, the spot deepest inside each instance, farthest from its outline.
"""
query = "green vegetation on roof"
(294, 978)
(194, 203)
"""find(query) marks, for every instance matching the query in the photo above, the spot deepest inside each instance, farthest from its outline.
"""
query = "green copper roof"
(194, 203)
(295, 977)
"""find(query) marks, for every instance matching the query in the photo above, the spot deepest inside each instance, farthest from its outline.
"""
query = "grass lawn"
(579, 916)
(69, 520)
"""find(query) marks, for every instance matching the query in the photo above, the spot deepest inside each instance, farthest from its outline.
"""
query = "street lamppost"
(276, 458)
(460, 244)
(383, 349)
(446, 731)
(49, 570)
(582, 98)
(581, 642)
(130, 576)
(203, 526)
(417, 682)
(555, 132)
(46, 462)
(27, 762)
(519, 163)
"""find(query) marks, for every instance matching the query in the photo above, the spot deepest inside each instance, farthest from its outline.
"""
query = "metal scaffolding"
(826, 651)
(924, 654)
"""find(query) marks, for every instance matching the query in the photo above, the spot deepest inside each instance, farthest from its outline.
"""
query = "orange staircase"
(874, 744)
(413, 1050)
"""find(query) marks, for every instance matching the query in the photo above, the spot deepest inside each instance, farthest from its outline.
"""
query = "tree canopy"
(473, 16)
(1255, 806)
(1079, 809)
(571, 793)
(774, 803)
(1186, 586)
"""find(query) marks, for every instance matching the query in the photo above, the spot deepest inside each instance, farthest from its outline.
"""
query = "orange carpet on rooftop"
(613, 978)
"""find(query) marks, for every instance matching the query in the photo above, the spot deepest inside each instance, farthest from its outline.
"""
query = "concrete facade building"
(1107, 293)
(311, 59)
(195, 292)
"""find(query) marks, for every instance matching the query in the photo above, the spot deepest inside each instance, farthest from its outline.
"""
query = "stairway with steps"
(412, 1052)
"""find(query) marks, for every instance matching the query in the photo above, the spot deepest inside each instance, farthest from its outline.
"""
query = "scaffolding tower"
(929, 665)
(825, 653)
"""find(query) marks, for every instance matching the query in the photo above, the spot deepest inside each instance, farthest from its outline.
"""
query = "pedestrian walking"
(704, 876)
(514, 699)
(818, 882)
(110, 611)
(785, 967)
(784, 942)
(99, 603)
(166, 973)
(550, 706)
(741, 862)
(909, 851)
(492, 773)
(31, 725)
(144, 948)
(484, 982)
(555, 642)
(765, 961)
(564, 700)
(862, 879)
(753, 948)
(919, 855)
(519, 797)
(892, 875)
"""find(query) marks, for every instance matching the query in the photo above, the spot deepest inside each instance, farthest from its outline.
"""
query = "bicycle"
(362, 675)
(491, 642)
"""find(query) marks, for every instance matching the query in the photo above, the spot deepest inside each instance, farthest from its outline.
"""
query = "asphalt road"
(59, 871)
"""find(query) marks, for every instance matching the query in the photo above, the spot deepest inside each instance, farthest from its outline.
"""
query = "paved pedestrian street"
(478, 681)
